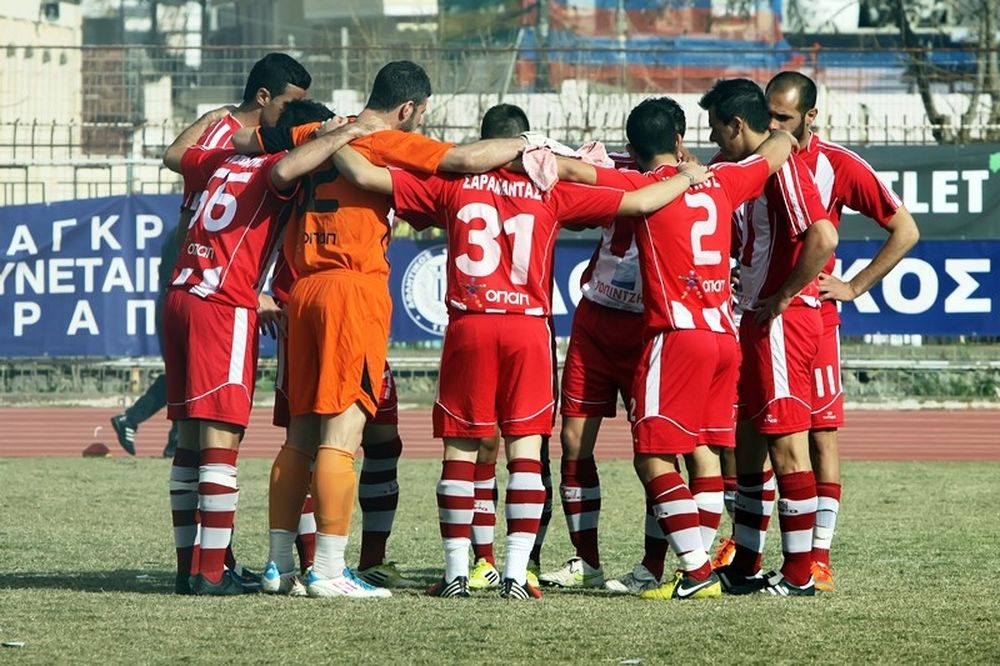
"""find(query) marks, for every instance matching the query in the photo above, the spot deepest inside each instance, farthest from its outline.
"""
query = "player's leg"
(705, 480)
(827, 417)
(535, 560)
(727, 545)
(484, 573)
(184, 502)
(455, 501)
(525, 499)
(378, 489)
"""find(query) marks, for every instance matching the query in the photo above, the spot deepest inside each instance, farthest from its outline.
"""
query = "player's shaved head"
(653, 125)
(504, 121)
(397, 83)
(303, 111)
(732, 98)
(784, 82)
(275, 72)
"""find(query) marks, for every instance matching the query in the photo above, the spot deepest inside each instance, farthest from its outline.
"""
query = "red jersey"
(501, 232)
(769, 230)
(684, 247)
(845, 179)
(612, 278)
(218, 135)
(233, 234)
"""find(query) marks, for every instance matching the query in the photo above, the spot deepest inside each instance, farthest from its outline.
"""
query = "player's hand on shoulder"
(219, 113)
(330, 125)
(834, 289)
(695, 172)
(271, 317)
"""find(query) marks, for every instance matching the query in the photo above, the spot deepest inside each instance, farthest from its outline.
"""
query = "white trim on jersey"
(837, 148)
(713, 317)
(779, 358)
(651, 400)
(238, 349)
(797, 215)
(682, 317)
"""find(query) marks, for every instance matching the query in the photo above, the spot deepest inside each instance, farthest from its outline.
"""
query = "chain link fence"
(84, 122)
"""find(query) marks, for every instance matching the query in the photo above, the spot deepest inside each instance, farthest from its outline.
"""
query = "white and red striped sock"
(218, 496)
(184, 506)
(456, 499)
(827, 509)
(797, 518)
(524, 506)
(580, 490)
(484, 516)
(708, 495)
(378, 494)
(754, 504)
(677, 514)
(305, 539)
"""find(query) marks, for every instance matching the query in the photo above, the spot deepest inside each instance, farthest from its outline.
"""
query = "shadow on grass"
(125, 580)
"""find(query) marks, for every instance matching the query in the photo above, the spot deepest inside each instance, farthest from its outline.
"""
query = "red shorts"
(496, 370)
(827, 390)
(605, 346)
(210, 353)
(388, 406)
(775, 389)
(685, 392)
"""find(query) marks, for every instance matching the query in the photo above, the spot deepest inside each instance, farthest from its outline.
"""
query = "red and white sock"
(184, 506)
(797, 517)
(524, 507)
(827, 508)
(378, 494)
(708, 495)
(580, 489)
(218, 495)
(754, 504)
(543, 524)
(484, 516)
(729, 495)
(455, 500)
(655, 546)
(305, 539)
(677, 513)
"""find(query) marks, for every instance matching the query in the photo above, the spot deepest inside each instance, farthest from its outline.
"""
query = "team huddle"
(708, 307)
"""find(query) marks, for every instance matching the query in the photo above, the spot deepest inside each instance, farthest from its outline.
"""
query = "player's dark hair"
(738, 97)
(303, 111)
(275, 72)
(653, 125)
(785, 81)
(504, 121)
(397, 83)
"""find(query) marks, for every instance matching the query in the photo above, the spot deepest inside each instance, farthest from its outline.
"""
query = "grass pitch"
(86, 573)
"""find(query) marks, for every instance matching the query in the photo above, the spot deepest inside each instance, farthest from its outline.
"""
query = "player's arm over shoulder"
(362, 173)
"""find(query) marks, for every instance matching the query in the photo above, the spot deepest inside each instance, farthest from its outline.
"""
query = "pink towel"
(540, 161)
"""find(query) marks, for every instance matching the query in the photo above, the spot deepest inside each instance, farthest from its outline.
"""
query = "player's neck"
(807, 138)
(659, 160)
(248, 115)
(753, 141)
(386, 118)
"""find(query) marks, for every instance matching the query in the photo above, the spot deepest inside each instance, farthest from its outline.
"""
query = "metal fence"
(87, 121)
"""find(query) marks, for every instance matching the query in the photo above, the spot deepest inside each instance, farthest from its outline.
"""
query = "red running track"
(869, 435)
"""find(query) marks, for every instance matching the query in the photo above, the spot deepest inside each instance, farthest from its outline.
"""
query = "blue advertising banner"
(80, 278)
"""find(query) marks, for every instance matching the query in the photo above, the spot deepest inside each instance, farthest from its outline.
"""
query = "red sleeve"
(742, 180)
(799, 196)
(585, 204)
(620, 180)
(416, 194)
(198, 164)
(858, 187)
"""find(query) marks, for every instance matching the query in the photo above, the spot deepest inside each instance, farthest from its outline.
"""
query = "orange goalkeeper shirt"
(337, 226)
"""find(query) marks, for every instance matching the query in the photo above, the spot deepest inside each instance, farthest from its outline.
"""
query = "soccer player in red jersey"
(496, 366)
(211, 324)
(685, 387)
(783, 238)
(843, 179)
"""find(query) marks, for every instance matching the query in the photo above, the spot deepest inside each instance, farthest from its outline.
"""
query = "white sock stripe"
(307, 523)
(483, 533)
(329, 558)
(694, 559)
(822, 537)
(827, 504)
(455, 488)
(218, 477)
(183, 474)
(215, 537)
(378, 464)
(455, 516)
(749, 537)
(653, 528)
(218, 503)
(515, 564)
(675, 508)
(797, 541)
(485, 484)
(827, 519)
(523, 511)
(184, 486)
(707, 537)
(582, 521)
(185, 535)
(525, 481)
(456, 557)
(755, 506)
(377, 521)
(378, 489)
(579, 494)
(770, 484)
(789, 507)
(711, 502)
